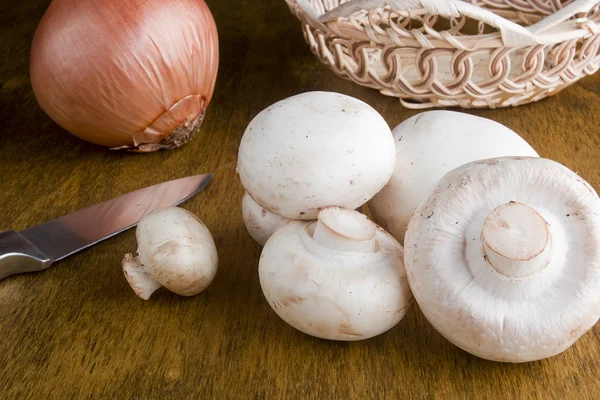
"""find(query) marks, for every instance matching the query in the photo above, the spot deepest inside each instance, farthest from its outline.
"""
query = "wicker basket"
(440, 53)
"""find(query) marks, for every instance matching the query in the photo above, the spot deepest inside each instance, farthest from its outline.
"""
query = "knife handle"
(19, 255)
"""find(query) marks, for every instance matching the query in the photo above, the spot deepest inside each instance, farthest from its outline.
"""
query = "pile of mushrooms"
(318, 156)
(502, 247)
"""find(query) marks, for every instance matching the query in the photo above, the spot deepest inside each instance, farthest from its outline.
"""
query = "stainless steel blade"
(71, 233)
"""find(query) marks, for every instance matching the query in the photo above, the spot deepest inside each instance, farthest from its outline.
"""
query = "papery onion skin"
(135, 74)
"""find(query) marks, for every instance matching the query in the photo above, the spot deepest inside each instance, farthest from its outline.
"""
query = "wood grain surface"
(77, 330)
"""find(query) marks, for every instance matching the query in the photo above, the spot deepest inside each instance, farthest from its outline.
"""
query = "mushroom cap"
(483, 305)
(260, 223)
(177, 249)
(314, 150)
(429, 145)
(334, 294)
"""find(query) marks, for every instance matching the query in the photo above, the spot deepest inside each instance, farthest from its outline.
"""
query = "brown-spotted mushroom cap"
(503, 258)
(315, 150)
(260, 223)
(429, 145)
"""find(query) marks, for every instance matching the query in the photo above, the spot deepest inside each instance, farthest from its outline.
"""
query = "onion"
(133, 74)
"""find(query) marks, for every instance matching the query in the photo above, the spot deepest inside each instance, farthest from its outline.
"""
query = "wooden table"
(78, 331)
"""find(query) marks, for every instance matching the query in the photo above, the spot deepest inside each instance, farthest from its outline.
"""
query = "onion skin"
(134, 74)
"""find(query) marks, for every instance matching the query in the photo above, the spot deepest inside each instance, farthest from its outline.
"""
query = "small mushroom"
(503, 257)
(315, 150)
(340, 278)
(428, 146)
(260, 223)
(176, 250)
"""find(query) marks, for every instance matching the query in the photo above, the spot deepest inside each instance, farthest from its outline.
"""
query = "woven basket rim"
(567, 23)
(427, 65)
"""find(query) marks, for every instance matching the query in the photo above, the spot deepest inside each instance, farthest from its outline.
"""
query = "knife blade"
(36, 248)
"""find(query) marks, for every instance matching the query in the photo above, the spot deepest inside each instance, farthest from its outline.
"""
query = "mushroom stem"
(140, 280)
(345, 230)
(516, 241)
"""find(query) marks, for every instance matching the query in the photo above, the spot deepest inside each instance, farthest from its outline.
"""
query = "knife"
(38, 247)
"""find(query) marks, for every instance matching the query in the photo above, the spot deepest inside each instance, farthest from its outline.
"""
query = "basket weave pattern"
(429, 60)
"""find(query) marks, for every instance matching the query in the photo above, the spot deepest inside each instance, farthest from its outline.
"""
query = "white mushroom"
(260, 223)
(341, 277)
(428, 146)
(176, 250)
(315, 150)
(503, 257)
